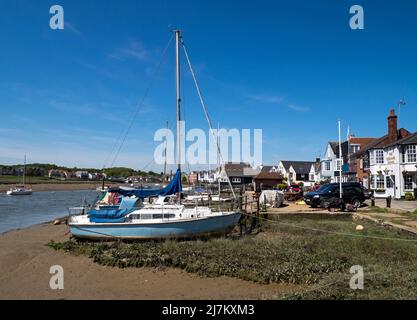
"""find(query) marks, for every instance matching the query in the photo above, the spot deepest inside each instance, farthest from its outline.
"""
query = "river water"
(17, 212)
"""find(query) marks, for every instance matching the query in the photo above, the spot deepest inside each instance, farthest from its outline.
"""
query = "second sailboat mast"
(177, 42)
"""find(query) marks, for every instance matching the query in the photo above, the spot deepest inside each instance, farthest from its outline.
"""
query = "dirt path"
(24, 274)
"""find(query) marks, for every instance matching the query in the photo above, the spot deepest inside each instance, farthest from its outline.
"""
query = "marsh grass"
(308, 251)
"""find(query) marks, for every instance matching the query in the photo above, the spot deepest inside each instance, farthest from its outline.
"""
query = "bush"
(282, 186)
(409, 196)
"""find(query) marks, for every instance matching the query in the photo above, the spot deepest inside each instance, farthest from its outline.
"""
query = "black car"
(353, 193)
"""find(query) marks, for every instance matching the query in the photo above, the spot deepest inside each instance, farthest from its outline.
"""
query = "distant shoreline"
(39, 187)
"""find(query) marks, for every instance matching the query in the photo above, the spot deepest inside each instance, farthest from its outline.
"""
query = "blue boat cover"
(109, 216)
(128, 203)
(173, 188)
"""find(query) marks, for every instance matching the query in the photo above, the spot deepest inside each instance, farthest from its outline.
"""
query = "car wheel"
(325, 204)
(356, 203)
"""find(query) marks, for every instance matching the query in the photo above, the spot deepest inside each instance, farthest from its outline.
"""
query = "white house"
(331, 164)
(392, 166)
(298, 171)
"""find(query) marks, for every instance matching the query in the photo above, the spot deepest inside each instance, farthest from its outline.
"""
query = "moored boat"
(21, 190)
(121, 213)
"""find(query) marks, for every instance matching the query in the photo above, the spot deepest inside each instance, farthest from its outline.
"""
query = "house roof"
(411, 139)
(361, 141)
(269, 176)
(383, 141)
(268, 168)
(302, 167)
(235, 169)
(335, 148)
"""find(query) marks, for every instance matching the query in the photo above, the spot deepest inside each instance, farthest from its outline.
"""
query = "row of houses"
(82, 175)
(387, 165)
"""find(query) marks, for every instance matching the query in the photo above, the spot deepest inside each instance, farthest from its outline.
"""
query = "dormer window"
(354, 148)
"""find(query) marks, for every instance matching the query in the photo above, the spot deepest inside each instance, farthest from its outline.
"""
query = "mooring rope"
(329, 231)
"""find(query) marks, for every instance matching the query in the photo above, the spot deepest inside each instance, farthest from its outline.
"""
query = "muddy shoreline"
(25, 261)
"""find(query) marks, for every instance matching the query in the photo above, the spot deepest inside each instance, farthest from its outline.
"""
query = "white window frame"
(379, 182)
(379, 156)
(339, 164)
(355, 148)
(327, 166)
(408, 183)
(236, 180)
(411, 154)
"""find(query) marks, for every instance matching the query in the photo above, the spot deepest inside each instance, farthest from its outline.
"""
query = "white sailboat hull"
(26, 192)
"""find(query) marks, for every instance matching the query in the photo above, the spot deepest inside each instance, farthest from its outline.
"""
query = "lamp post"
(340, 161)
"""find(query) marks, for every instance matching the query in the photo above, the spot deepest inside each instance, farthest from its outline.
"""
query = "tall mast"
(177, 48)
(165, 163)
(24, 170)
(340, 161)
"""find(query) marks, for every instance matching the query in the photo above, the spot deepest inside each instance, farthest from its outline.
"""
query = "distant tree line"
(41, 169)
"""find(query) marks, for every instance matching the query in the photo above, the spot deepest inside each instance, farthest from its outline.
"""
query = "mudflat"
(25, 261)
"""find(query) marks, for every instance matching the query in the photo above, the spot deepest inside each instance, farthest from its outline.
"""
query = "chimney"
(392, 127)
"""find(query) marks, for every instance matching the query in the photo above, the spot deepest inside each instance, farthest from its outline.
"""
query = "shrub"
(409, 196)
(282, 186)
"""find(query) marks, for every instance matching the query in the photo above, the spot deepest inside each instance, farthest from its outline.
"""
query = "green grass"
(289, 250)
(377, 209)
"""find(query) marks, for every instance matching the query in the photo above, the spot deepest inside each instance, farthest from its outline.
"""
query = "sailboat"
(21, 190)
(167, 218)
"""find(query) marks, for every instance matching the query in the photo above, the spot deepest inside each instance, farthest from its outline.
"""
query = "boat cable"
(125, 132)
(215, 138)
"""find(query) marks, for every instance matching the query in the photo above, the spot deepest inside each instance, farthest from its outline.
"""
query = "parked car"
(295, 188)
(353, 193)
(368, 193)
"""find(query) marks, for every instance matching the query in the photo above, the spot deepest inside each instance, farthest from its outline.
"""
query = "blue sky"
(291, 68)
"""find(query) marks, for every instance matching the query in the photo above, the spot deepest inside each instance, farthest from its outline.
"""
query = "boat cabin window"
(148, 216)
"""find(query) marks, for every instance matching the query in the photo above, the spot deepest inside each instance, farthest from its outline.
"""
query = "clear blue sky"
(291, 68)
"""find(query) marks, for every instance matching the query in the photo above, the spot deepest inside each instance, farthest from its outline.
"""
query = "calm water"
(23, 211)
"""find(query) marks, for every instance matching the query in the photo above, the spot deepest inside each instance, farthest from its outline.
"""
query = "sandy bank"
(24, 274)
